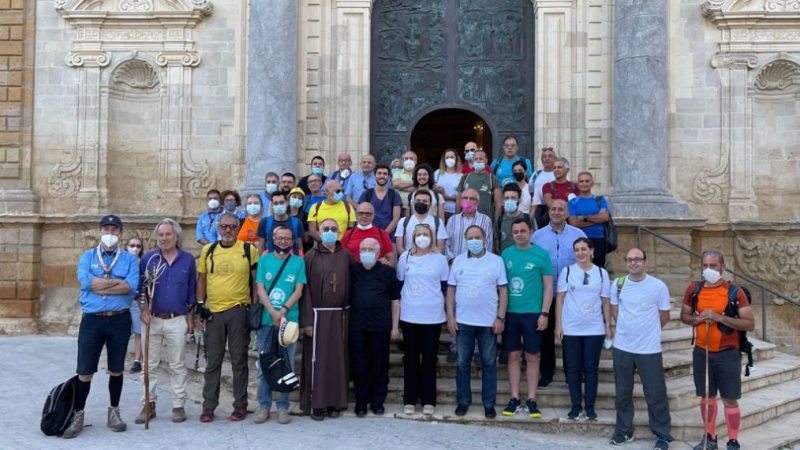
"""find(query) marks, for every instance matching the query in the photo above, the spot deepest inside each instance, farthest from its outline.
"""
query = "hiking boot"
(620, 438)
(140, 419)
(533, 411)
(733, 444)
(283, 417)
(207, 415)
(707, 443)
(136, 367)
(261, 415)
(75, 426)
(178, 415)
(661, 444)
(512, 407)
(239, 413)
(114, 420)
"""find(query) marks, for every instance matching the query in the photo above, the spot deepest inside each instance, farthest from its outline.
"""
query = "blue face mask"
(295, 202)
(338, 196)
(253, 208)
(479, 166)
(316, 170)
(279, 209)
(469, 155)
(329, 237)
(396, 171)
(510, 205)
(475, 246)
(368, 259)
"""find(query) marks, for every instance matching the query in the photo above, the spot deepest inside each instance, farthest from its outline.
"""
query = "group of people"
(360, 258)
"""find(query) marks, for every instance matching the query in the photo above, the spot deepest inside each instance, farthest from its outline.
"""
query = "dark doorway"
(449, 128)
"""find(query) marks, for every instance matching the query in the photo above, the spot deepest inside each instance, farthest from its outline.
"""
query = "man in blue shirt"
(557, 238)
(502, 167)
(108, 277)
(360, 181)
(590, 213)
(169, 313)
(207, 222)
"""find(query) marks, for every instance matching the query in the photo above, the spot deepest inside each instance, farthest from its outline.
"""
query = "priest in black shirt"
(374, 319)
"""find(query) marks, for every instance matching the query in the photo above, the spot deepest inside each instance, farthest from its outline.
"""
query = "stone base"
(18, 326)
(18, 201)
(661, 206)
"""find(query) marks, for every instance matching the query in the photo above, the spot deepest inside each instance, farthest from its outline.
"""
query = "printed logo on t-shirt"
(517, 285)
(472, 291)
(416, 290)
(268, 276)
(290, 278)
(224, 268)
(509, 264)
(484, 188)
(530, 266)
(277, 297)
(587, 309)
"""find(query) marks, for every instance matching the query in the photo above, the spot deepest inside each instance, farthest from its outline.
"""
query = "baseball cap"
(111, 220)
(297, 190)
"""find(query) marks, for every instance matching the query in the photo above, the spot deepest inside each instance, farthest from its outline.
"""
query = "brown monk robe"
(326, 297)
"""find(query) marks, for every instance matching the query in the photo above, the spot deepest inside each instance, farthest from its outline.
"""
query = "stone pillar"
(271, 90)
(640, 112)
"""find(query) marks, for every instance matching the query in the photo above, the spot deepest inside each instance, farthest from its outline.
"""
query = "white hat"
(288, 332)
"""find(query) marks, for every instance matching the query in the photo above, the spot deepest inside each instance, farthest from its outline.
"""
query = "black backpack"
(276, 368)
(59, 408)
(731, 310)
(609, 229)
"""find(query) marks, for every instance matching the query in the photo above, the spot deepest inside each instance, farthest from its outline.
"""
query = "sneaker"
(661, 444)
(261, 415)
(239, 413)
(512, 407)
(207, 415)
(114, 420)
(140, 419)
(361, 410)
(707, 443)
(620, 438)
(178, 415)
(461, 410)
(574, 413)
(533, 411)
(428, 410)
(733, 444)
(409, 409)
(75, 426)
(283, 416)
(333, 413)
(489, 412)
(452, 356)
(136, 367)
(591, 415)
(543, 384)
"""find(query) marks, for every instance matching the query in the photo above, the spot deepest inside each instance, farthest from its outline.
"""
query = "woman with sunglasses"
(422, 271)
(582, 323)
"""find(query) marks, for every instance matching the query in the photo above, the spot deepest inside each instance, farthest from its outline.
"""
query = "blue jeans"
(487, 347)
(264, 340)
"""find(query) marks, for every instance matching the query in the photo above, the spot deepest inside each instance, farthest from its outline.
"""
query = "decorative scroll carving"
(771, 259)
(199, 178)
(777, 75)
(188, 58)
(132, 35)
(711, 185)
(88, 59)
(136, 5)
(136, 74)
(65, 178)
(734, 60)
(782, 5)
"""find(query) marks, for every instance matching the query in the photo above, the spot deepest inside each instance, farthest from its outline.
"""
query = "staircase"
(770, 403)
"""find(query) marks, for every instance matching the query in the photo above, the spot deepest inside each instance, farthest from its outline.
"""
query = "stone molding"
(121, 41)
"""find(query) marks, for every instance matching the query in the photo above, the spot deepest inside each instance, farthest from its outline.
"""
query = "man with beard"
(384, 199)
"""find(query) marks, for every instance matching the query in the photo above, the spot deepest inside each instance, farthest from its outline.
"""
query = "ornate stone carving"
(204, 7)
(188, 58)
(782, 5)
(136, 74)
(710, 7)
(132, 35)
(734, 60)
(777, 75)
(65, 178)
(197, 175)
(136, 5)
(774, 260)
(88, 59)
(711, 185)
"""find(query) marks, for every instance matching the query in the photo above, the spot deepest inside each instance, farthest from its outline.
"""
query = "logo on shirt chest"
(530, 266)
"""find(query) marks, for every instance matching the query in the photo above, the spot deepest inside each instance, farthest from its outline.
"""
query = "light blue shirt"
(207, 226)
(126, 268)
(345, 182)
(358, 183)
(265, 204)
(505, 171)
(558, 246)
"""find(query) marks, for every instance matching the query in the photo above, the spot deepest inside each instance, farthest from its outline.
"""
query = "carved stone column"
(271, 90)
(640, 112)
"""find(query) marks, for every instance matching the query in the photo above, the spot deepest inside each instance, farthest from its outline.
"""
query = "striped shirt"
(456, 227)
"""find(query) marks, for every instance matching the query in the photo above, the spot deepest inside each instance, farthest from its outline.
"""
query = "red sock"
(710, 404)
(733, 419)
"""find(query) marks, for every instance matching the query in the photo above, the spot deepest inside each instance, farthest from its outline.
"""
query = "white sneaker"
(409, 409)
(428, 410)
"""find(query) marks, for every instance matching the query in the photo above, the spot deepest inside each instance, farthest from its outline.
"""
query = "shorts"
(136, 318)
(520, 333)
(113, 332)
(724, 373)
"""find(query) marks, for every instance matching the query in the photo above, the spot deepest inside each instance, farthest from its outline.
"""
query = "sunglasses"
(231, 226)
(585, 278)
(330, 229)
(134, 246)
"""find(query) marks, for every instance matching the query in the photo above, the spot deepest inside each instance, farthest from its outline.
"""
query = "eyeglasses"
(227, 226)
(330, 229)
(585, 278)
(635, 259)
(470, 198)
(281, 239)
(364, 213)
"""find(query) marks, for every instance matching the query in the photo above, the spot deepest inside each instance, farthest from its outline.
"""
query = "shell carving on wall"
(777, 76)
(136, 74)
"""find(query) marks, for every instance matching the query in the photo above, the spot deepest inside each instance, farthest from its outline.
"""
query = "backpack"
(601, 279)
(609, 229)
(59, 408)
(382, 234)
(246, 256)
(496, 164)
(435, 227)
(276, 368)
(371, 192)
(319, 204)
(542, 217)
(268, 233)
(731, 310)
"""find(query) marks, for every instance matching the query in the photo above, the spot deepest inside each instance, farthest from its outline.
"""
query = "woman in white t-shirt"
(423, 272)
(423, 179)
(447, 178)
(582, 323)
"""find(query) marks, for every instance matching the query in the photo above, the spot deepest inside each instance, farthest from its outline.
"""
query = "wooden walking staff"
(151, 277)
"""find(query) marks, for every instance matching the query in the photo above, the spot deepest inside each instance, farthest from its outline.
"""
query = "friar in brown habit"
(324, 309)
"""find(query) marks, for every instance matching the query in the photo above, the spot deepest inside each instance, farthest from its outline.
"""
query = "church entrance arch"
(450, 58)
(449, 128)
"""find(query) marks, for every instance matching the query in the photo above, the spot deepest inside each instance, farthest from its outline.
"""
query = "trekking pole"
(705, 391)
(151, 279)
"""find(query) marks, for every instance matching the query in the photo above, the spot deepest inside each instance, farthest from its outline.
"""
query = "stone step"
(778, 433)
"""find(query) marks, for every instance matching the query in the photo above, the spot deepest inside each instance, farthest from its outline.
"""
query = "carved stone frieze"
(136, 74)
(136, 5)
(132, 35)
(782, 5)
(775, 260)
(65, 178)
(734, 60)
(711, 185)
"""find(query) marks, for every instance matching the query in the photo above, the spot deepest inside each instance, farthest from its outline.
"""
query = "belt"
(314, 340)
(168, 315)
(111, 313)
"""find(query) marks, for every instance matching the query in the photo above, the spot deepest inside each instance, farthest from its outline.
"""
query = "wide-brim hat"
(288, 333)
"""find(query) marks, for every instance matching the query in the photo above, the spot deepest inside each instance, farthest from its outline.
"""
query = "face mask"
(213, 204)
(329, 237)
(510, 205)
(364, 227)
(421, 208)
(344, 173)
(253, 208)
(450, 162)
(422, 241)
(409, 164)
(711, 275)
(475, 246)
(368, 259)
(469, 155)
(271, 188)
(295, 202)
(396, 171)
(133, 251)
(316, 170)
(230, 205)
(282, 250)
(479, 166)
(469, 206)
(109, 240)
(338, 196)
(279, 209)
(519, 176)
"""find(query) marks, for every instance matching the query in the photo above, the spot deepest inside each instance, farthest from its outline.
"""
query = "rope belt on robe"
(314, 340)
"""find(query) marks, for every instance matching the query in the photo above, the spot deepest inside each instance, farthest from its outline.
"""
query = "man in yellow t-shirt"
(333, 207)
(225, 275)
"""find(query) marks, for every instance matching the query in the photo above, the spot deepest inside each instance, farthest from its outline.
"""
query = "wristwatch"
(545, 314)
(501, 319)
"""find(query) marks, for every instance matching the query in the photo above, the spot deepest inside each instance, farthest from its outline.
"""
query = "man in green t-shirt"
(280, 280)
(530, 291)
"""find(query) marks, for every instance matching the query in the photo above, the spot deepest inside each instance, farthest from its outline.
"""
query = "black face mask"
(421, 208)
(519, 176)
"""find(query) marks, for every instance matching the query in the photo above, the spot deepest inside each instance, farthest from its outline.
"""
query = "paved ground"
(31, 365)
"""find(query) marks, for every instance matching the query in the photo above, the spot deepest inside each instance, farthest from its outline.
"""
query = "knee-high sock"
(708, 409)
(115, 389)
(733, 419)
(82, 394)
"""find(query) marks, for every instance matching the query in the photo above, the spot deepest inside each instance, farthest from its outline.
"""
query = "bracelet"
(501, 319)
(545, 314)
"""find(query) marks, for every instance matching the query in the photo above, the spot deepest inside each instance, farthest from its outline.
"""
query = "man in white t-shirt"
(640, 305)
(405, 229)
(476, 311)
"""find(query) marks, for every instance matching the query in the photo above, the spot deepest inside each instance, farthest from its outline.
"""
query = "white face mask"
(450, 162)
(109, 240)
(271, 188)
(344, 173)
(422, 241)
(409, 164)
(711, 275)
(213, 204)
(363, 227)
